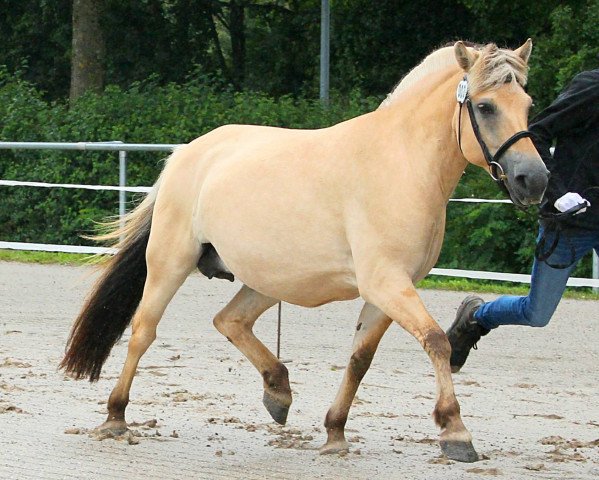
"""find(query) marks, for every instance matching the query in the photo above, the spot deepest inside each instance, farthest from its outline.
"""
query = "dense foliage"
(144, 113)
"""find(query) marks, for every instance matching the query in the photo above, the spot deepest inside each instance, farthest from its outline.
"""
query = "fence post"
(595, 270)
(122, 184)
(325, 21)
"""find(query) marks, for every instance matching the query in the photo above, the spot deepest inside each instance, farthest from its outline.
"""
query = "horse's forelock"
(495, 67)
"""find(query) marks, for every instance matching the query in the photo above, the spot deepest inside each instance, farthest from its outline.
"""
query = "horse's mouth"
(523, 202)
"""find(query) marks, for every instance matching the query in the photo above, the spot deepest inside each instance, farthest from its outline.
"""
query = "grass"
(435, 282)
(432, 282)
(44, 258)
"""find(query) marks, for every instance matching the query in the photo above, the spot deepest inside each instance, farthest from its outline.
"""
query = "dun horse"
(315, 216)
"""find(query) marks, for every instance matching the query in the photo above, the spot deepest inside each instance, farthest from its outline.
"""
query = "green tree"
(568, 47)
(375, 43)
(36, 41)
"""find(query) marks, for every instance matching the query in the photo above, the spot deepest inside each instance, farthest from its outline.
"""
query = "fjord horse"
(314, 216)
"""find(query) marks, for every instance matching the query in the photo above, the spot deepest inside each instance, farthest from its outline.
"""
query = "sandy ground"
(529, 397)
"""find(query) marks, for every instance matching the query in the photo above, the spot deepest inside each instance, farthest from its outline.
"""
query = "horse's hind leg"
(372, 324)
(166, 273)
(235, 322)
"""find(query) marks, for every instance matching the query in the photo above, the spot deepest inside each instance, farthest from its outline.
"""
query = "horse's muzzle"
(527, 179)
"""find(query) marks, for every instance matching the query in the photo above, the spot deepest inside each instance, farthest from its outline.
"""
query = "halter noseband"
(495, 167)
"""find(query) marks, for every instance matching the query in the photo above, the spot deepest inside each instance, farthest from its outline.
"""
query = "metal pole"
(279, 332)
(595, 269)
(122, 183)
(325, 22)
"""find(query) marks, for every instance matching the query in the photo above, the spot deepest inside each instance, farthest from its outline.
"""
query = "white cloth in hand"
(570, 200)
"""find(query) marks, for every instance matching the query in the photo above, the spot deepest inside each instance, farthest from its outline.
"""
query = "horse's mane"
(493, 67)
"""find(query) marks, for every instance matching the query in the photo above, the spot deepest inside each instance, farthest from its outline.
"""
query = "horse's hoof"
(459, 451)
(340, 446)
(110, 429)
(277, 410)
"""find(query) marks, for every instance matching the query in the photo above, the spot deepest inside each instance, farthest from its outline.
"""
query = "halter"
(495, 167)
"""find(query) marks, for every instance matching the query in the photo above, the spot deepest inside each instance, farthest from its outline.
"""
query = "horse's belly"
(308, 281)
(297, 263)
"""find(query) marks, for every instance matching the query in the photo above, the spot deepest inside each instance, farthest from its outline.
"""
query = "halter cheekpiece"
(495, 167)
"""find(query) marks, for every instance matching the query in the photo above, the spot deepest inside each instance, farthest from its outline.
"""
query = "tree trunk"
(218, 47)
(237, 32)
(89, 50)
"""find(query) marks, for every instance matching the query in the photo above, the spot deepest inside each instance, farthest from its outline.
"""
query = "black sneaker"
(464, 332)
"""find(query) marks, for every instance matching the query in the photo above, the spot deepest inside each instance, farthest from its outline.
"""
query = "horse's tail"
(115, 296)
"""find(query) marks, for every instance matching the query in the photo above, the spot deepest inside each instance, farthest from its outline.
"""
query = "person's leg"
(476, 318)
(546, 289)
(547, 286)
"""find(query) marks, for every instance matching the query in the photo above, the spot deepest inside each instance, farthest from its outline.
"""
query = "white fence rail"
(122, 188)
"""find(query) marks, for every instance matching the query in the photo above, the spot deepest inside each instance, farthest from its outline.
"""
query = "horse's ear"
(464, 57)
(524, 51)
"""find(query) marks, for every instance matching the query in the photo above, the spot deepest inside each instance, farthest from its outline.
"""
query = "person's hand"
(570, 200)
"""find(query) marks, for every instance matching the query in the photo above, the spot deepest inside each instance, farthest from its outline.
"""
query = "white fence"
(122, 188)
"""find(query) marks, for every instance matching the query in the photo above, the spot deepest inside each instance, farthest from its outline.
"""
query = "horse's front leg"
(372, 324)
(397, 298)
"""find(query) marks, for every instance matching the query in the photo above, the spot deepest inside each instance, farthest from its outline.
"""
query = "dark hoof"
(459, 451)
(277, 411)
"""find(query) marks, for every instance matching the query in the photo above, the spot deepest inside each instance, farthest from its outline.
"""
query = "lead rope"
(553, 222)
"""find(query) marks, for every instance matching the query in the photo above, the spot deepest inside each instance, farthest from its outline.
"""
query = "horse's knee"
(360, 361)
(436, 344)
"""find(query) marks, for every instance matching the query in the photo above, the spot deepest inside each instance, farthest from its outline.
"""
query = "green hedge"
(479, 236)
(145, 113)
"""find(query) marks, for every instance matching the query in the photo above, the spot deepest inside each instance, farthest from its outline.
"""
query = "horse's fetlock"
(445, 411)
(335, 420)
(116, 407)
(277, 378)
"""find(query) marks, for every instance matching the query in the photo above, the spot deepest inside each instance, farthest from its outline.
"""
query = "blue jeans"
(547, 284)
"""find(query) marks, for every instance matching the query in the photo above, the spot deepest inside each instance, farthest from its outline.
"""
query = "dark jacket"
(572, 121)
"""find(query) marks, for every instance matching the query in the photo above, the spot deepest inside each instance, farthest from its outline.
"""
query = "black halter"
(497, 172)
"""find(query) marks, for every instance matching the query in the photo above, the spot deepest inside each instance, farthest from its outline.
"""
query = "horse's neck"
(425, 116)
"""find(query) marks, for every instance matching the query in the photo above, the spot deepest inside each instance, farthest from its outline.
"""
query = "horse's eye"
(486, 108)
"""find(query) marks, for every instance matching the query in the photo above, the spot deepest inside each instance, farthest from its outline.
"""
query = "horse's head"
(491, 121)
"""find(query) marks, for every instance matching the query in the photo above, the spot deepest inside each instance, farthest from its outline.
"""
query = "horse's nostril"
(521, 181)
(531, 184)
